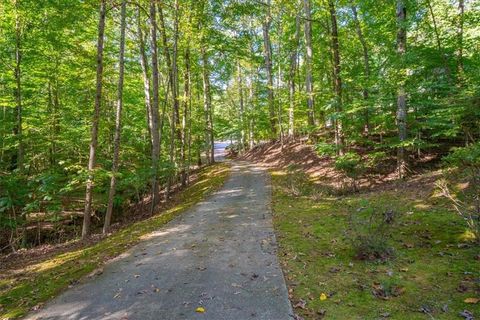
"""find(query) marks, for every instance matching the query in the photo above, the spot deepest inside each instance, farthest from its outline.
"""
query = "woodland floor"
(433, 272)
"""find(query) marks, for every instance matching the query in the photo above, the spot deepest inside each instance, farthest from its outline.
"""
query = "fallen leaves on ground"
(200, 310)
(472, 300)
(300, 304)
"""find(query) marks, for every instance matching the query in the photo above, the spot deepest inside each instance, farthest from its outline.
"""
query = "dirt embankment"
(302, 156)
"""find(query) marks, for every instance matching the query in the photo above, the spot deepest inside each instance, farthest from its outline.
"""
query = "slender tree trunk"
(269, 66)
(291, 80)
(17, 162)
(366, 64)
(155, 106)
(207, 108)
(185, 146)
(146, 78)
(438, 40)
(118, 120)
(401, 95)
(308, 62)
(175, 110)
(461, 9)
(96, 117)
(339, 139)
(241, 100)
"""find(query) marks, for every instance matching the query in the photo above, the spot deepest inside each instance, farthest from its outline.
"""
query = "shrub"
(369, 233)
(467, 201)
(324, 149)
(298, 183)
(351, 165)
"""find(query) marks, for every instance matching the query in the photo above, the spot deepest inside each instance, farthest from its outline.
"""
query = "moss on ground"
(431, 274)
(25, 289)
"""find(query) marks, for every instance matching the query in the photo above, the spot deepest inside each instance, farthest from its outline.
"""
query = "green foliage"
(369, 232)
(466, 201)
(352, 165)
(465, 158)
(325, 149)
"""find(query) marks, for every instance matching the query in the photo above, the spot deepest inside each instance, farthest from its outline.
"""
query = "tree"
(308, 62)
(267, 47)
(96, 118)
(118, 119)
(337, 80)
(401, 95)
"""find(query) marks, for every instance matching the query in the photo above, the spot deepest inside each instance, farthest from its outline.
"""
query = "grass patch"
(430, 275)
(21, 291)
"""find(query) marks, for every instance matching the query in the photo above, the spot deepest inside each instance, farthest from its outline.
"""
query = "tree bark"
(308, 62)
(17, 161)
(461, 9)
(207, 107)
(269, 66)
(339, 139)
(155, 106)
(146, 77)
(185, 119)
(291, 80)
(401, 95)
(175, 110)
(241, 100)
(118, 119)
(95, 121)
(366, 64)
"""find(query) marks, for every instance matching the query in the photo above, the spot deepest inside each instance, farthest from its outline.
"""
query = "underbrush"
(421, 265)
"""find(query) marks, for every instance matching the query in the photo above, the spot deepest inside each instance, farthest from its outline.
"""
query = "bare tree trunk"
(95, 121)
(269, 66)
(17, 162)
(291, 80)
(242, 111)
(185, 121)
(155, 106)
(118, 120)
(366, 63)
(401, 95)
(175, 110)
(207, 108)
(308, 62)
(146, 77)
(461, 8)
(339, 139)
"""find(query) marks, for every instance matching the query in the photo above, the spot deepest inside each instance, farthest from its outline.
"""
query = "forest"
(109, 107)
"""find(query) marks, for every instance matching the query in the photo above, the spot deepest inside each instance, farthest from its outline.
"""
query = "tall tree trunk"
(17, 161)
(401, 95)
(118, 120)
(96, 117)
(366, 65)
(269, 66)
(241, 100)
(175, 110)
(291, 80)
(461, 9)
(339, 139)
(439, 41)
(308, 62)
(185, 120)
(155, 106)
(207, 107)
(146, 77)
